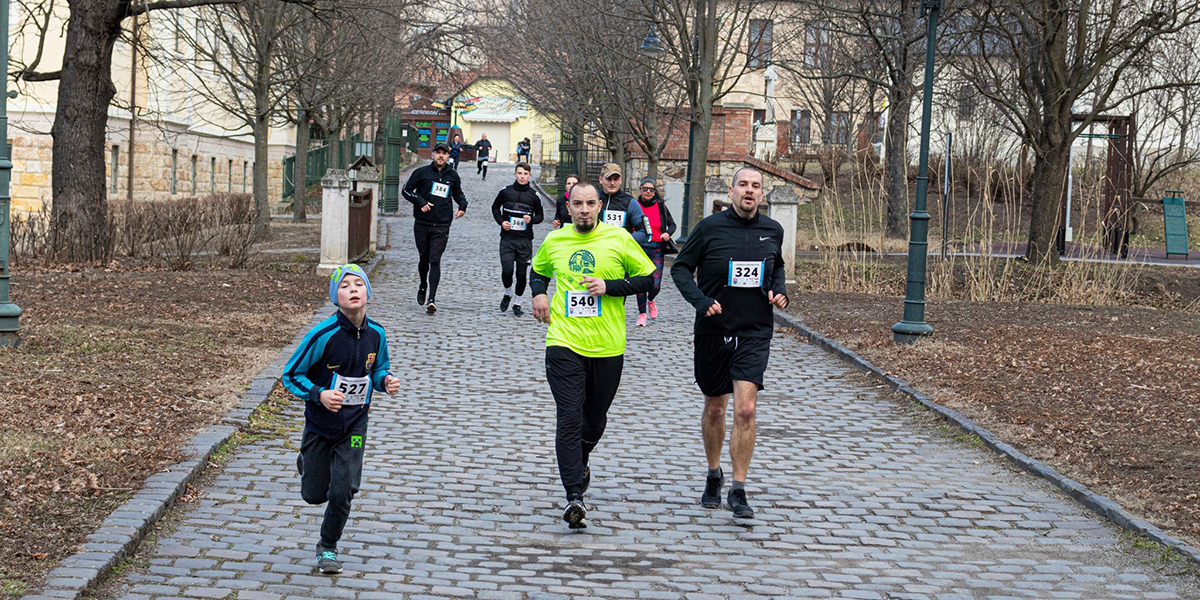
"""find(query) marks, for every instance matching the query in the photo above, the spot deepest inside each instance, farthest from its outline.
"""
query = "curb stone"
(1101, 505)
(119, 535)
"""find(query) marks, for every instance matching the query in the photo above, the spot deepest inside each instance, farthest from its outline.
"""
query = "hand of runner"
(505, 225)
(459, 213)
(428, 207)
(666, 237)
(391, 385)
(556, 223)
(527, 218)
(541, 308)
(779, 300)
(595, 285)
(332, 400)
(713, 309)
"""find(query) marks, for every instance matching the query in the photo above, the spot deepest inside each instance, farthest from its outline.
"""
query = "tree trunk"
(1049, 181)
(652, 164)
(262, 132)
(896, 167)
(702, 116)
(85, 90)
(300, 172)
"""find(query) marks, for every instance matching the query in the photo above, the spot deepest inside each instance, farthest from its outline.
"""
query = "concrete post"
(715, 190)
(335, 220)
(785, 205)
(368, 179)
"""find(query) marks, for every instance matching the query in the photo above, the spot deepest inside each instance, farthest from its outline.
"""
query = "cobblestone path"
(461, 496)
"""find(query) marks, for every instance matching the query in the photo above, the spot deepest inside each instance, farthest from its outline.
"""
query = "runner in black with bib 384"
(737, 256)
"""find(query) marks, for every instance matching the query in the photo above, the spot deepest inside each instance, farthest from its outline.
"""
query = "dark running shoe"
(737, 503)
(517, 311)
(504, 302)
(711, 498)
(421, 295)
(575, 515)
(431, 307)
(327, 563)
(300, 463)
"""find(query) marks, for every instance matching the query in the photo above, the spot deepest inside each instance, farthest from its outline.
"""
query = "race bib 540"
(582, 304)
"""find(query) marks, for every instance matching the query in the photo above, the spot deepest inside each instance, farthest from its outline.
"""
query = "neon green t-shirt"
(606, 252)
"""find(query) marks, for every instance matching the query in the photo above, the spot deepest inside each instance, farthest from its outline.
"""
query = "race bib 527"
(354, 389)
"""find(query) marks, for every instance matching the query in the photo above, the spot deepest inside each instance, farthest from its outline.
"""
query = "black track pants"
(515, 254)
(583, 391)
(431, 243)
(331, 471)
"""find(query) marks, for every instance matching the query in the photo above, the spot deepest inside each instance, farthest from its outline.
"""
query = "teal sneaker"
(327, 563)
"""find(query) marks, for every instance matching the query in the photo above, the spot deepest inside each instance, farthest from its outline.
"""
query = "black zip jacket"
(518, 200)
(560, 211)
(420, 191)
(482, 149)
(621, 201)
(336, 345)
(714, 242)
(664, 217)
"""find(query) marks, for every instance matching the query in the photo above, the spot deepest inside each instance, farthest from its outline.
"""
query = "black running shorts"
(722, 360)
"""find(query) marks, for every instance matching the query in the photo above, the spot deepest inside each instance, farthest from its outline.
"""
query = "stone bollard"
(715, 190)
(785, 203)
(368, 179)
(335, 220)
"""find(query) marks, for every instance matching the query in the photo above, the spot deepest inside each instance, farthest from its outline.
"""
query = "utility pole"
(9, 312)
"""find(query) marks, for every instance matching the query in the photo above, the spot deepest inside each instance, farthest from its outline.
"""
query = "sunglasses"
(646, 188)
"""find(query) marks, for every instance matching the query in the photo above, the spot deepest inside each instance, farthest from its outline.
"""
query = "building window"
(839, 128)
(174, 171)
(245, 176)
(229, 177)
(816, 47)
(966, 103)
(195, 159)
(760, 117)
(116, 158)
(760, 43)
(801, 127)
(212, 174)
(178, 21)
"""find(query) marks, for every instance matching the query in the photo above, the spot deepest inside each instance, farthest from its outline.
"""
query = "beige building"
(183, 145)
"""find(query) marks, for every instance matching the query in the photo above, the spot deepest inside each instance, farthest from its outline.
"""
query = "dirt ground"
(1109, 396)
(116, 366)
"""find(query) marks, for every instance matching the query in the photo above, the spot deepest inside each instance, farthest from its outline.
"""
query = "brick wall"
(730, 139)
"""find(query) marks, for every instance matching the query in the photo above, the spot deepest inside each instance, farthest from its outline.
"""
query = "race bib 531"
(615, 217)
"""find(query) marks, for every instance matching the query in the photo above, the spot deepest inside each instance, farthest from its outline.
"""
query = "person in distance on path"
(482, 149)
(456, 147)
(737, 258)
(430, 189)
(334, 370)
(517, 209)
(595, 266)
(561, 216)
(662, 227)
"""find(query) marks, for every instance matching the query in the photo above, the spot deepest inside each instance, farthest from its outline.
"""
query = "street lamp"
(9, 312)
(912, 326)
(651, 45)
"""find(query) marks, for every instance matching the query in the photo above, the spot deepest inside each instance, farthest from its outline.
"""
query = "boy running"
(335, 369)
(517, 209)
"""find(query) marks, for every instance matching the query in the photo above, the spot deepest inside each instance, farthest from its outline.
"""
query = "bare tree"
(1168, 112)
(1046, 63)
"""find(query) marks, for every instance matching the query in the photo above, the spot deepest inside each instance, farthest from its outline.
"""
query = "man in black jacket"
(430, 189)
(617, 207)
(737, 256)
(483, 148)
(517, 209)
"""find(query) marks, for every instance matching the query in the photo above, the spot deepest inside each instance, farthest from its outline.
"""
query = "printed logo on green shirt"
(582, 261)
(356, 441)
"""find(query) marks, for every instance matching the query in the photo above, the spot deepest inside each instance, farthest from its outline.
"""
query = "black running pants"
(431, 243)
(515, 254)
(583, 389)
(331, 471)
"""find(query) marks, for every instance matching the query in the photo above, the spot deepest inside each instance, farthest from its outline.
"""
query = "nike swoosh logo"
(763, 239)
(332, 366)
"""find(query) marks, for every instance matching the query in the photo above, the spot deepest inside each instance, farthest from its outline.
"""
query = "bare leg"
(712, 425)
(741, 443)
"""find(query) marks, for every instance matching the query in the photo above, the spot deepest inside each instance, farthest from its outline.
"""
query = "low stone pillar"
(335, 220)
(368, 179)
(785, 206)
(715, 190)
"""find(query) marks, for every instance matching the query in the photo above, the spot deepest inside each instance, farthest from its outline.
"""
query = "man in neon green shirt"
(595, 265)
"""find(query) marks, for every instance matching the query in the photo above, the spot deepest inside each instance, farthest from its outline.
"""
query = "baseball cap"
(609, 169)
(441, 146)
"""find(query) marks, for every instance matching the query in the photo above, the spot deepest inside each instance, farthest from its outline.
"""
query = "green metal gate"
(575, 150)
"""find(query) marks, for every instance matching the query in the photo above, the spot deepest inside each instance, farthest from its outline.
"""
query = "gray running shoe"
(327, 563)
(575, 515)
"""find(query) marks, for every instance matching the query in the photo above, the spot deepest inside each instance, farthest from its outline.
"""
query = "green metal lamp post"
(912, 326)
(9, 312)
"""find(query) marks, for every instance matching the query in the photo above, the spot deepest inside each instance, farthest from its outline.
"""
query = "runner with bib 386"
(595, 265)
(737, 256)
